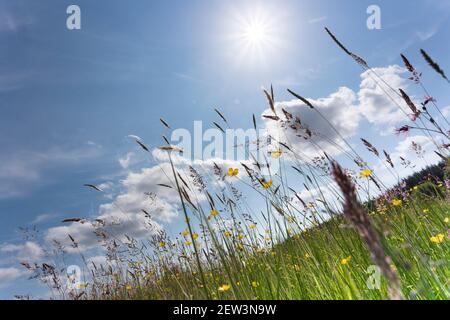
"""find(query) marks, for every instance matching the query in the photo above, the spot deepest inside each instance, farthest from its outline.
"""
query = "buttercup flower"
(233, 172)
(397, 202)
(185, 233)
(439, 238)
(276, 154)
(82, 285)
(366, 173)
(267, 185)
(224, 287)
(346, 260)
(214, 213)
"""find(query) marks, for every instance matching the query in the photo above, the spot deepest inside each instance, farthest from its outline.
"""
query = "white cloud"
(317, 19)
(126, 160)
(43, 218)
(374, 104)
(29, 251)
(339, 108)
(344, 109)
(415, 160)
(9, 274)
(20, 170)
(99, 260)
(12, 23)
(124, 215)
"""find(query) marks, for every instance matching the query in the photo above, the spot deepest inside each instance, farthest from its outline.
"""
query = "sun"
(256, 30)
(255, 35)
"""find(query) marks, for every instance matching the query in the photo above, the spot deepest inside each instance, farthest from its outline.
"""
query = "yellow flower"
(397, 202)
(224, 287)
(240, 236)
(307, 256)
(366, 173)
(82, 285)
(415, 187)
(439, 238)
(162, 244)
(188, 243)
(214, 213)
(252, 226)
(255, 284)
(185, 233)
(276, 154)
(129, 287)
(267, 185)
(346, 260)
(195, 236)
(227, 233)
(426, 210)
(447, 220)
(232, 172)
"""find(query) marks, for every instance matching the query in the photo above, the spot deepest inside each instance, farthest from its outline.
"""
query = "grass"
(329, 261)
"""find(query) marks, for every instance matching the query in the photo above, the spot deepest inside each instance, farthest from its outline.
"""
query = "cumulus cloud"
(345, 109)
(145, 189)
(126, 160)
(417, 152)
(140, 191)
(374, 104)
(29, 251)
(339, 108)
(8, 275)
(418, 149)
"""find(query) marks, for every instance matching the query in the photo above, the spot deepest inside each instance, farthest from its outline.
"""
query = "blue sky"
(68, 99)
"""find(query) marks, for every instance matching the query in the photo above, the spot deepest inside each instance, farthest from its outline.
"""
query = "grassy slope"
(310, 265)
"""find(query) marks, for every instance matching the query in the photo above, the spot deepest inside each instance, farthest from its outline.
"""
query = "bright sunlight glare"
(255, 33)
(255, 36)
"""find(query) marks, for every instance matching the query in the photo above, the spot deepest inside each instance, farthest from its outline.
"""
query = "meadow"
(353, 238)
